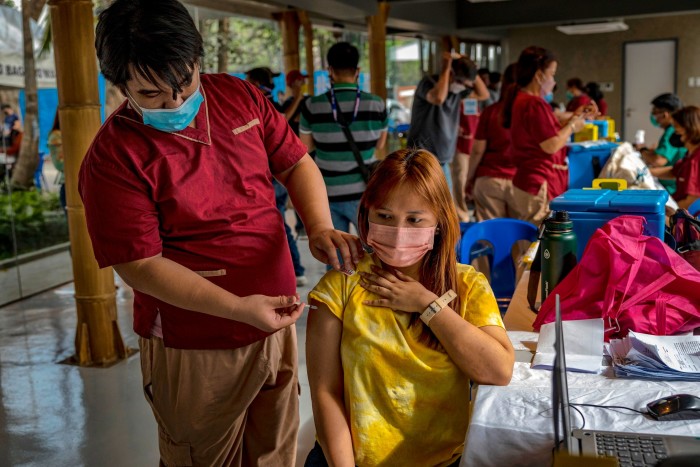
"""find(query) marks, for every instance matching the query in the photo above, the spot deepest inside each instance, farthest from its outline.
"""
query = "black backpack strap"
(351, 141)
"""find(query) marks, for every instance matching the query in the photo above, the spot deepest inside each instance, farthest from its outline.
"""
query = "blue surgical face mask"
(549, 97)
(170, 120)
(569, 95)
(654, 121)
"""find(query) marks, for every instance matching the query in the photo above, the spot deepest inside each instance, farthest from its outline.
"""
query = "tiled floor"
(60, 415)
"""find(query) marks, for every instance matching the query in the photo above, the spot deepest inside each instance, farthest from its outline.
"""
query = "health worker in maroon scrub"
(538, 139)
(178, 194)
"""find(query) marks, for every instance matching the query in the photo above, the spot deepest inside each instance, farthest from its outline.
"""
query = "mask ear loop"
(132, 102)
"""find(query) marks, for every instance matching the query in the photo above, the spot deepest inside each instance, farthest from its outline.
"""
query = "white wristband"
(437, 306)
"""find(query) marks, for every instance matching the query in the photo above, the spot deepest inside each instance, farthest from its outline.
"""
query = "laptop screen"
(560, 389)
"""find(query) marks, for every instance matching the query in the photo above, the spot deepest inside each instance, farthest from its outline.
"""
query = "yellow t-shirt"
(407, 403)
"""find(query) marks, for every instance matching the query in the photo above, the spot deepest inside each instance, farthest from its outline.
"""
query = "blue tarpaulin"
(48, 106)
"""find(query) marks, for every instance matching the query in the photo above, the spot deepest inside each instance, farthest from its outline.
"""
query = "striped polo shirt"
(333, 154)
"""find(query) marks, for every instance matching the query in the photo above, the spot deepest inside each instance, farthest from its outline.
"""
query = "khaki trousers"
(459, 167)
(492, 198)
(530, 208)
(236, 407)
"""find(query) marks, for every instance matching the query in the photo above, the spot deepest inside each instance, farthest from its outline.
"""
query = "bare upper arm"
(433, 97)
(323, 333)
(132, 271)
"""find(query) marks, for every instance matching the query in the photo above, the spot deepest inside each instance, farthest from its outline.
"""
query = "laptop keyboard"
(631, 450)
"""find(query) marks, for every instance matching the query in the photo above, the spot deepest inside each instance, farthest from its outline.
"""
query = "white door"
(650, 70)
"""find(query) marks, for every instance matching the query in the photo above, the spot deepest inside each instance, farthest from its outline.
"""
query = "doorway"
(649, 70)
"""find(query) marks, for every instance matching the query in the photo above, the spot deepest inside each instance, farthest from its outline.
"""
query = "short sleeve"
(424, 87)
(283, 147)
(540, 121)
(693, 177)
(667, 151)
(479, 306)
(331, 291)
(122, 219)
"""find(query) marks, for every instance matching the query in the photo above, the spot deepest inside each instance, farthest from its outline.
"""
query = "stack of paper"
(670, 358)
(583, 345)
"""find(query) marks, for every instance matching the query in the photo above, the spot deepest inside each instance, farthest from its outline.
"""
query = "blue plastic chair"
(694, 209)
(502, 234)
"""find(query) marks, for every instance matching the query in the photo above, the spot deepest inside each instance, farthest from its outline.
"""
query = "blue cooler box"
(586, 160)
(591, 209)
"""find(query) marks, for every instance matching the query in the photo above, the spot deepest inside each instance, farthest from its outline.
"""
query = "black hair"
(531, 60)
(508, 78)
(593, 91)
(5, 106)
(575, 83)
(483, 71)
(669, 102)
(343, 57)
(494, 77)
(158, 38)
(465, 68)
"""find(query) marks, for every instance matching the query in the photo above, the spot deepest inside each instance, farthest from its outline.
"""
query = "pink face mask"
(400, 246)
(547, 86)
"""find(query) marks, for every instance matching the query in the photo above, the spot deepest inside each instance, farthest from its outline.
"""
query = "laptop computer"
(630, 449)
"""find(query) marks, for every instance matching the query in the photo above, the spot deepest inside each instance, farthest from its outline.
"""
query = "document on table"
(583, 344)
(656, 357)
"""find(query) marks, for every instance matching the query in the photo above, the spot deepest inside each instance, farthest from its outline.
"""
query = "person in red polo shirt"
(686, 171)
(538, 140)
(178, 194)
(576, 95)
(491, 170)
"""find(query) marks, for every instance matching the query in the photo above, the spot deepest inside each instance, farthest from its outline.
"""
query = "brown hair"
(531, 60)
(420, 170)
(689, 119)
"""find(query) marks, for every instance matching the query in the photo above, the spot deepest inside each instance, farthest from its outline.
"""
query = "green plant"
(37, 218)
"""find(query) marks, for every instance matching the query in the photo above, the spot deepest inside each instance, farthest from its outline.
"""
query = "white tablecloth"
(512, 425)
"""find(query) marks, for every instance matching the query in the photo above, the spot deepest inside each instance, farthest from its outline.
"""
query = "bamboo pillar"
(449, 43)
(98, 340)
(309, 47)
(289, 29)
(377, 49)
(222, 41)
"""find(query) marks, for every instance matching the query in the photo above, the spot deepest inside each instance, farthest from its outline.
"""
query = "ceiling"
(484, 19)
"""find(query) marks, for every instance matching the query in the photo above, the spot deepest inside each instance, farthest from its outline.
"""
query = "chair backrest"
(502, 234)
(694, 209)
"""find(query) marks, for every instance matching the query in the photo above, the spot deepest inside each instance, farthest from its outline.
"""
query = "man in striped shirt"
(320, 128)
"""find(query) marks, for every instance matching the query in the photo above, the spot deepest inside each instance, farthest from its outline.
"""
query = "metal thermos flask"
(558, 249)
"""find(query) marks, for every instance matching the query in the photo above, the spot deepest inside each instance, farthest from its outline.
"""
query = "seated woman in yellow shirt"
(391, 349)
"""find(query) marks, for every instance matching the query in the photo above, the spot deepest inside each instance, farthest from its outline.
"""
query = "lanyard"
(334, 105)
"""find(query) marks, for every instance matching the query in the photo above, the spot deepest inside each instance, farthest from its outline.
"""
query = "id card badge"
(471, 107)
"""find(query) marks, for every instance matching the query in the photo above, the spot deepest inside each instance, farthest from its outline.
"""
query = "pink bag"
(630, 280)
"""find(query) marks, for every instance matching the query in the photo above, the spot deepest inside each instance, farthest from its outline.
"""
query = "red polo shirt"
(496, 161)
(687, 172)
(532, 123)
(203, 197)
(467, 124)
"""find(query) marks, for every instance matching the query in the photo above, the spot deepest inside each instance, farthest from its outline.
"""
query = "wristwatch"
(436, 306)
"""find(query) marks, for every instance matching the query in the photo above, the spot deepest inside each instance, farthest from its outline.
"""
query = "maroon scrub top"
(468, 124)
(577, 102)
(496, 161)
(202, 197)
(532, 123)
(687, 172)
